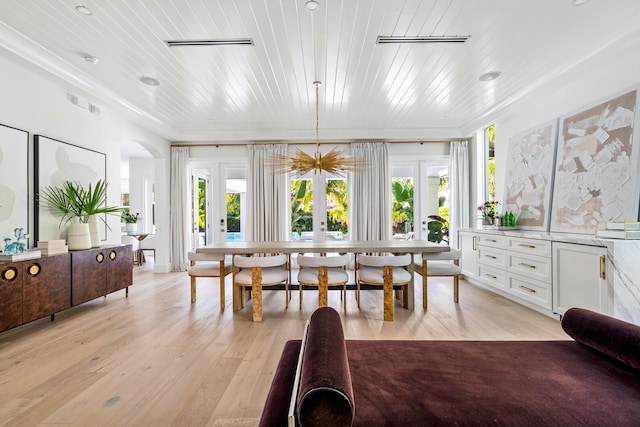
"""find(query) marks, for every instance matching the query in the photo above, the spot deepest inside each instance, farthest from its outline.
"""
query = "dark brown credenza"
(40, 287)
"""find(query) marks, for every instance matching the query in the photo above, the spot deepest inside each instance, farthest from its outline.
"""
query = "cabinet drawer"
(496, 278)
(492, 257)
(492, 241)
(531, 290)
(530, 246)
(535, 267)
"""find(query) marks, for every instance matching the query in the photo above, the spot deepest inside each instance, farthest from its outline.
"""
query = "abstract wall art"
(596, 176)
(529, 175)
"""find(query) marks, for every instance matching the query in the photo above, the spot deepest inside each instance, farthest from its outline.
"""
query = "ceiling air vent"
(421, 39)
(209, 42)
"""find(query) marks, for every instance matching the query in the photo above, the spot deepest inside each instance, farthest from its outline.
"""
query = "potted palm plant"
(80, 207)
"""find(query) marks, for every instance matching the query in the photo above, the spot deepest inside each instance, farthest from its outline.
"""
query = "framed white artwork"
(14, 181)
(596, 176)
(529, 175)
(54, 163)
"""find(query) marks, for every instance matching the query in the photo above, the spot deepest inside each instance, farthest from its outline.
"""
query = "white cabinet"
(579, 277)
(467, 244)
(515, 266)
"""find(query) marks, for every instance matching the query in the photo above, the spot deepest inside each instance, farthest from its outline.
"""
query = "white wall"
(31, 101)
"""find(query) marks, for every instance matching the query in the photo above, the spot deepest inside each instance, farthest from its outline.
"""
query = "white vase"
(94, 231)
(78, 237)
(131, 228)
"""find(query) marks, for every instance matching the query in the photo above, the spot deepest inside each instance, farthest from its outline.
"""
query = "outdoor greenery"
(337, 206)
(233, 212)
(438, 229)
(402, 208)
(301, 206)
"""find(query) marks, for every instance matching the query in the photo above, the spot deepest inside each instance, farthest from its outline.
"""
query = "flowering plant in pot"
(78, 205)
(488, 211)
(130, 220)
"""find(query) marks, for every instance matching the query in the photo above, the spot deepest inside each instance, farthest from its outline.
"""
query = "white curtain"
(458, 189)
(268, 196)
(180, 208)
(370, 192)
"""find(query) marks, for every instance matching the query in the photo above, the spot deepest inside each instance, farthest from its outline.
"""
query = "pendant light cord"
(317, 85)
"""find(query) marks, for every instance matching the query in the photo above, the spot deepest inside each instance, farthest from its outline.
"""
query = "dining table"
(393, 246)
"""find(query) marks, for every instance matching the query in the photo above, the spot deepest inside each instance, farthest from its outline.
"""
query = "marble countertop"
(582, 239)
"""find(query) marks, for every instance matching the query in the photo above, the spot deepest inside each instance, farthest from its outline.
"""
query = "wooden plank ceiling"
(264, 91)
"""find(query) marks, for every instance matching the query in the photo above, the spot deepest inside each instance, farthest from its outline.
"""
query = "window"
(301, 208)
(489, 136)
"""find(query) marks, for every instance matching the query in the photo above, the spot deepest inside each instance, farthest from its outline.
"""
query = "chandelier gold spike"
(334, 162)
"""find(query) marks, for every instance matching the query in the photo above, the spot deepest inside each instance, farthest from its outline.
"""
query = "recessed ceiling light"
(89, 58)
(312, 5)
(491, 75)
(578, 2)
(150, 81)
(84, 10)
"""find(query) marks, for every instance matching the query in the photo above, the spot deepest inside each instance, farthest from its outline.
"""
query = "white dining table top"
(306, 246)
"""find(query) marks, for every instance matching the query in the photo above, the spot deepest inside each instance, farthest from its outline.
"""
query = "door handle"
(603, 267)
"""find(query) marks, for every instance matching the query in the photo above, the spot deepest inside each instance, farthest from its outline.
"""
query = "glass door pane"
(337, 209)
(302, 209)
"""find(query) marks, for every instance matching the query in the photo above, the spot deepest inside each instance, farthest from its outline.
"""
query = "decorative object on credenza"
(596, 173)
(528, 184)
(620, 230)
(80, 207)
(18, 249)
(20, 245)
(52, 247)
(488, 211)
(56, 162)
(14, 178)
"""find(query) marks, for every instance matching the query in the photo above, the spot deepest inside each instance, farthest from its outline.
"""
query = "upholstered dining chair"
(256, 272)
(148, 244)
(323, 271)
(135, 247)
(438, 264)
(208, 265)
(388, 271)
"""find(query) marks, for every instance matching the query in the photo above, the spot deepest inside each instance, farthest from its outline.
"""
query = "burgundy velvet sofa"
(594, 379)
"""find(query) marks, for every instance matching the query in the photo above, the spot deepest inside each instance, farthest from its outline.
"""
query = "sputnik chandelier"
(334, 162)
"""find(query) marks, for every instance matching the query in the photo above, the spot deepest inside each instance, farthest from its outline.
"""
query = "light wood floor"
(154, 359)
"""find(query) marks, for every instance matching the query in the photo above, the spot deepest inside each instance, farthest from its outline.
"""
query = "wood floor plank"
(156, 359)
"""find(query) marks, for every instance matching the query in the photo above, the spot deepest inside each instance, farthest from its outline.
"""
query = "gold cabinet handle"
(603, 267)
(474, 242)
(491, 256)
(524, 264)
(527, 246)
(490, 276)
(533, 291)
(492, 240)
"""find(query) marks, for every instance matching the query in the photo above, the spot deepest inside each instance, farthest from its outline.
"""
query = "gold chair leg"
(455, 289)
(256, 296)
(425, 301)
(222, 292)
(387, 274)
(193, 289)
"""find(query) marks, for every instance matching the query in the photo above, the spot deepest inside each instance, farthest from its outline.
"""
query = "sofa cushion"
(275, 414)
(325, 391)
(613, 337)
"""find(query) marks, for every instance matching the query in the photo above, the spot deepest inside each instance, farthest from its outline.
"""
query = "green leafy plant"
(438, 229)
(128, 218)
(72, 200)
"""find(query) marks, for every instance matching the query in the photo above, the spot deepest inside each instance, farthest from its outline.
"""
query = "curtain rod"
(235, 144)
